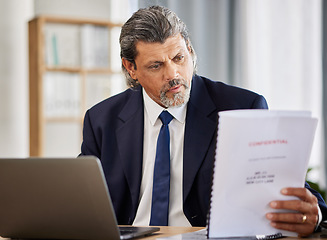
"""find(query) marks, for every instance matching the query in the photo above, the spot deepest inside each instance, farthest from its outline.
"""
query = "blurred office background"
(273, 47)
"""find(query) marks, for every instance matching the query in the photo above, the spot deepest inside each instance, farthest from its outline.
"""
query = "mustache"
(174, 82)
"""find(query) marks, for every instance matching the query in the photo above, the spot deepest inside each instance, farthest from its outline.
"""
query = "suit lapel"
(130, 142)
(201, 123)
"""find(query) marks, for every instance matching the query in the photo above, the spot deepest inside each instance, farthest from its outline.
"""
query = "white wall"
(115, 10)
(14, 129)
(98, 9)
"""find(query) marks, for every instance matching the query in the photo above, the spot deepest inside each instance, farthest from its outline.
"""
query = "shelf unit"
(73, 64)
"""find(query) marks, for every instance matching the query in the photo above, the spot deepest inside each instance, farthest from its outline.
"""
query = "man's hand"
(304, 220)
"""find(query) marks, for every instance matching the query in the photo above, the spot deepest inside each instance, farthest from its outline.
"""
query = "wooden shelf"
(63, 119)
(80, 69)
(60, 92)
(80, 21)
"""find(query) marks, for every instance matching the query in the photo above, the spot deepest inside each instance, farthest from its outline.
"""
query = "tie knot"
(165, 117)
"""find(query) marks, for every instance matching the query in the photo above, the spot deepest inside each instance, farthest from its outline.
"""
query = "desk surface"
(164, 232)
(171, 231)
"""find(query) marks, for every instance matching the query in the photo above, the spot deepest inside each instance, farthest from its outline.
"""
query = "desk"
(164, 232)
(171, 231)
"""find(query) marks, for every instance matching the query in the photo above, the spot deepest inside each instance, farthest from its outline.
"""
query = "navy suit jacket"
(113, 131)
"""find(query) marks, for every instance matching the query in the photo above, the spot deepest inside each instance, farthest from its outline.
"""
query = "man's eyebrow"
(153, 61)
(181, 51)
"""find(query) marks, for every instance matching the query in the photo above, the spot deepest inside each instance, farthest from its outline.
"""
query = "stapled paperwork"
(258, 153)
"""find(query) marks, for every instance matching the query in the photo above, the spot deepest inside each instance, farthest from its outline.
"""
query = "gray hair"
(152, 24)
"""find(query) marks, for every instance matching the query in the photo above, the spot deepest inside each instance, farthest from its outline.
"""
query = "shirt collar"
(153, 109)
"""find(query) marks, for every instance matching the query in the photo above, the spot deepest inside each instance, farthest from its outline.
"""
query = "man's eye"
(154, 66)
(179, 58)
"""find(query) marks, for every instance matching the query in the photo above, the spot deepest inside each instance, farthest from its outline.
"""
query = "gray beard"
(178, 98)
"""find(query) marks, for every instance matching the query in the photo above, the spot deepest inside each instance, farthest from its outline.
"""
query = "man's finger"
(301, 229)
(302, 193)
(296, 205)
(287, 217)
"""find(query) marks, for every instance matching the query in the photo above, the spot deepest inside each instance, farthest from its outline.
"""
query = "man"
(159, 62)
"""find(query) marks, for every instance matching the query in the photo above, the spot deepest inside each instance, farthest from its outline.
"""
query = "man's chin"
(177, 104)
(175, 101)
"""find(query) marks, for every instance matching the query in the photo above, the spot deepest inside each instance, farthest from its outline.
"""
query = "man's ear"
(189, 48)
(130, 67)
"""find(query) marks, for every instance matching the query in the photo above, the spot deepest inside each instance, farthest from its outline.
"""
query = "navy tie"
(161, 175)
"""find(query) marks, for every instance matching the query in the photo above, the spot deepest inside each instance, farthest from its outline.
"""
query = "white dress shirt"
(152, 125)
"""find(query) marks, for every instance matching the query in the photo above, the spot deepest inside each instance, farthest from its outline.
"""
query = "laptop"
(58, 198)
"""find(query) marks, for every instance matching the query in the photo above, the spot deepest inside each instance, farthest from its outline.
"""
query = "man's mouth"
(175, 89)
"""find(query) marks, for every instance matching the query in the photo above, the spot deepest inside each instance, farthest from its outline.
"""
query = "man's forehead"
(171, 45)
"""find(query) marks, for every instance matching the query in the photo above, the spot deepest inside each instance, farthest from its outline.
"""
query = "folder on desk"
(258, 153)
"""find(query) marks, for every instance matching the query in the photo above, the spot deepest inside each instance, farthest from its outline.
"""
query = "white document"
(258, 153)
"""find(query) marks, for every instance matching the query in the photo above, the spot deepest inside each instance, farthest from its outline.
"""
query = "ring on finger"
(304, 218)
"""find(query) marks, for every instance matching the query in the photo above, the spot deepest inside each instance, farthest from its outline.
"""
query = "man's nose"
(171, 72)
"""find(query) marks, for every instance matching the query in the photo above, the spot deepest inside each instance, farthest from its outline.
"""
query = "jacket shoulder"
(228, 97)
(114, 103)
